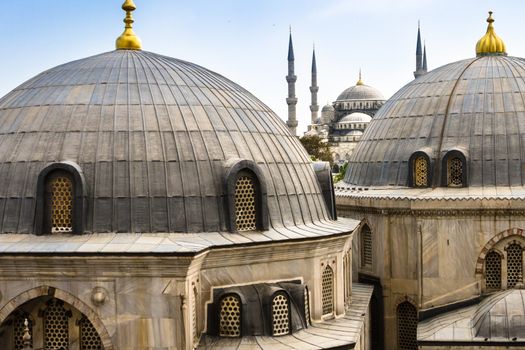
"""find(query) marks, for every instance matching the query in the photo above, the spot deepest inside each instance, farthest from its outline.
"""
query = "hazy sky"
(246, 40)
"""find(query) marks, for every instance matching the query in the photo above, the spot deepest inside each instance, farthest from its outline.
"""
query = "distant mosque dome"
(327, 108)
(360, 91)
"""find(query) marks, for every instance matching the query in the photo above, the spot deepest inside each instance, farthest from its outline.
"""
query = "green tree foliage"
(317, 149)
(342, 171)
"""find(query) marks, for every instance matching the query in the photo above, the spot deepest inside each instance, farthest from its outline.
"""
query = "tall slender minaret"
(425, 58)
(314, 107)
(420, 67)
(291, 100)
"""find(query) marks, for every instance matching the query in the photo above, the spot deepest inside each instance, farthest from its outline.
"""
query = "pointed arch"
(492, 242)
(69, 298)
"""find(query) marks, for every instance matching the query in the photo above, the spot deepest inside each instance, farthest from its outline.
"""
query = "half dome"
(356, 117)
(152, 136)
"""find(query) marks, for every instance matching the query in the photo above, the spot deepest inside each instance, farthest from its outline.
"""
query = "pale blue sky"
(246, 40)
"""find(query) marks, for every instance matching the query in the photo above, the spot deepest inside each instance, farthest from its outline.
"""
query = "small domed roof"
(361, 92)
(356, 117)
(328, 108)
(153, 137)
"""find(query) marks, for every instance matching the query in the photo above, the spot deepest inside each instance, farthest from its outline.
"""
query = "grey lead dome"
(152, 135)
(476, 106)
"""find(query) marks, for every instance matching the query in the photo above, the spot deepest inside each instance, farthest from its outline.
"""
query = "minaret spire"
(420, 57)
(314, 107)
(425, 58)
(291, 100)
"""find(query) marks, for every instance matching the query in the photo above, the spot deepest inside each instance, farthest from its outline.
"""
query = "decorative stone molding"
(492, 242)
(401, 300)
(345, 210)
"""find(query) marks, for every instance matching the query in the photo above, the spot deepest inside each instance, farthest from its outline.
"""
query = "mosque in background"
(342, 122)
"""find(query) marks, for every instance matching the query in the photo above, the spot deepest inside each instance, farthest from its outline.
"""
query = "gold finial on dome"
(128, 40)
(360, 81)
(490, 43)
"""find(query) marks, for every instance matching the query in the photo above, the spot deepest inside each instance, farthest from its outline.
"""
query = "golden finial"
(360, 81)
(128, 40)
(490, 43)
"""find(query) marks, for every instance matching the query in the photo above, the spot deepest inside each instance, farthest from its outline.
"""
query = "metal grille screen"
(493, 270)
(366, 243)
(280, 313)
(89, 338)
(245, 204)
(18, 330)
(61, 205)
(406, 326)
(56, 328)
(328, 290)
(230, 317)
(455, 172)
(514, 265)
(420, 172)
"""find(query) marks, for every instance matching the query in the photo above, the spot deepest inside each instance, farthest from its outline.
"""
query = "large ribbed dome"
(475, 106)
(151, 135)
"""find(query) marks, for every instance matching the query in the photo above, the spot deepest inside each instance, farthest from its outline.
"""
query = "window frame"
(445, 169)
(332, 312)
(412, 169)
(362, 247)
(42, 219)
(275, 295)
(239, 299)
(236, 169)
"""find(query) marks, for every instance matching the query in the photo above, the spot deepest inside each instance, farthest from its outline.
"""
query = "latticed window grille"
(280, 315)
(420, 172)
(328, 290)
(18, 330)
(230, 316)
(245, 210)
(406, 326)
(89, 338)
(455, 172)
(493, 270)
(366, 246)
(61, 204)
(56, 328)
(514, 265)
(306, 306)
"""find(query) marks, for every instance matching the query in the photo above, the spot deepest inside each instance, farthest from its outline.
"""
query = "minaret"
(291, 78)
(314, 107)
(425, 58)
(420, 69)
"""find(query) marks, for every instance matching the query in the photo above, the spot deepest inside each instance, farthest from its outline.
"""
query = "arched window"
(245, 203)
(89, 338)
(246, 200)
(280, 315)
(366, 247)
(406, 326)
(56, 325)
(420, 170)
(61, 197)
(230, 316)
(454, 172)
(59, 202)
(328, 290)
(493, 270)
(514, 265)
